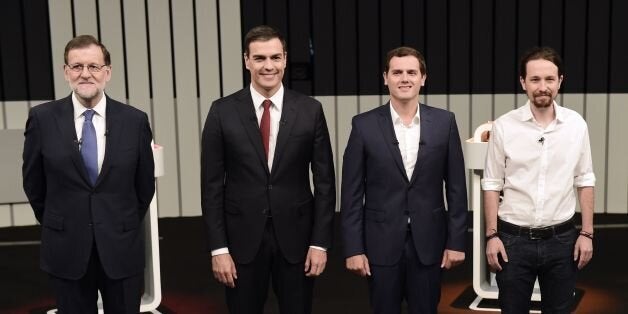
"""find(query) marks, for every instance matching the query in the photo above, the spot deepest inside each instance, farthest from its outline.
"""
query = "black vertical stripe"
(346, 48)
(172, 53)
(124, 58)
(323, 43)
(597, 56)
(299, 57)
(436, 47)
(619, 49)
(218, 30)
(15, 79)
(505, 43)
(370, 77)
(196, 66)
(148, 54)
(574, 53)
(459, 47)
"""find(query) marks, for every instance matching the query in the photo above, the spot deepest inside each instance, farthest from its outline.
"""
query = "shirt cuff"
(318, 248)
(587, 179)
(492, 184)
(220, 251)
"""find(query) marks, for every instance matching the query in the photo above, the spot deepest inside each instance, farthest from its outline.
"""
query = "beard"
(542, 99)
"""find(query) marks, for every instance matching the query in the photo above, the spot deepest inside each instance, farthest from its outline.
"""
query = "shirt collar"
(258, 99)
(526, 112)
(397, 119)
(100, 108)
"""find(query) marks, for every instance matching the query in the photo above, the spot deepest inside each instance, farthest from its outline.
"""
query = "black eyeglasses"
(92, 68)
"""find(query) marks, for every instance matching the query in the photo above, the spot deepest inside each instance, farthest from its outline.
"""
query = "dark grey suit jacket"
(239, 191)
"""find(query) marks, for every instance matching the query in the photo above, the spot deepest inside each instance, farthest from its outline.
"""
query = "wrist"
(586, 234)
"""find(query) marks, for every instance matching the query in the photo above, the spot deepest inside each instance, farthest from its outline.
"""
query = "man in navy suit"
(89, 177)
(395, 225)
(263, 221)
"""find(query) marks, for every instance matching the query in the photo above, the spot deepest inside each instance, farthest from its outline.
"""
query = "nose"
(85, 72)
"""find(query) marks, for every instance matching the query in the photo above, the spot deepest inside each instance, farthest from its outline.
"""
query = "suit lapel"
(424, 141)
(388, 131)
(288, 117)
(246, 111)
(65, 121)
(113, 132)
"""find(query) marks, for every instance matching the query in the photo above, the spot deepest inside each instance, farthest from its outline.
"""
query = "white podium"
(484, 283)
(152, 276)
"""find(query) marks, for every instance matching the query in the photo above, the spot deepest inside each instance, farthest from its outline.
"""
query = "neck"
(405, 109)
(544, 115)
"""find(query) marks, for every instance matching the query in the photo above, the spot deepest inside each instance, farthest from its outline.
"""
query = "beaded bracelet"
(492, 235)
(586, 234)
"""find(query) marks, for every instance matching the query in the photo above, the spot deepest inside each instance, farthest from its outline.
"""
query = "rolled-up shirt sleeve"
(583, 172)
(494, 167)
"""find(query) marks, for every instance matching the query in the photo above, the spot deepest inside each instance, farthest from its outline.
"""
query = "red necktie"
(264, 125)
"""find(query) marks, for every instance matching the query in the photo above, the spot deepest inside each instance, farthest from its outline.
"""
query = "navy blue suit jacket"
(76, 215)
(378, 197)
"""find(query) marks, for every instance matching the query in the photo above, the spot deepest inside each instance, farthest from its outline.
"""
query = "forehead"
(404, 63)
(89, 54)
(266, 48)
(541, 68)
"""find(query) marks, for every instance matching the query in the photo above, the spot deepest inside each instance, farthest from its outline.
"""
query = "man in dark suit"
(263, 220)
(89, 176)
(395, 225)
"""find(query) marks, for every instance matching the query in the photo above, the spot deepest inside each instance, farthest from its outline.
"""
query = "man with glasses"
(89, 177)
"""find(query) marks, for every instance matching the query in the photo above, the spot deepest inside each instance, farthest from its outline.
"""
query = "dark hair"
(536, 53)
(84, 41)
(403, 52)
(263, 33)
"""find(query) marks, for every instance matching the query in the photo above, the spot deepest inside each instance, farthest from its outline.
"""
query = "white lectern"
(483, 280)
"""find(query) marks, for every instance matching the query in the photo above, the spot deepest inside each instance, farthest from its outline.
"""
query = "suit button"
(89, 225)
(270, 186)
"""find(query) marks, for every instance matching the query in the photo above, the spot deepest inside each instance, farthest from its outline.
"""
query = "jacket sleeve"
(34, 177)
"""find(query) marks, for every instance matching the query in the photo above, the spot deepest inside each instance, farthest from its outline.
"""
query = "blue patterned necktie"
(89, 149)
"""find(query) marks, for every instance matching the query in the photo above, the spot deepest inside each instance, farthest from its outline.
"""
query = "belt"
(535, 233)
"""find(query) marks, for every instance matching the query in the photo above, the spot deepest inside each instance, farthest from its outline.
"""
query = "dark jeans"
(550, 259)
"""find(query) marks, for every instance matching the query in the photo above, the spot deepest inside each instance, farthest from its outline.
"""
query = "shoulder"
(434, 112)
(238, 96)
(379, 111)
(125, 110)
(301, 99)
(51, 106)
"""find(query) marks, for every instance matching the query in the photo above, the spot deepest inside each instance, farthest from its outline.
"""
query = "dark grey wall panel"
(470, 46)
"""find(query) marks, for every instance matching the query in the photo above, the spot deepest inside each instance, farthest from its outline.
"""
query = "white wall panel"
(137, 55)
(438, 101)
(111, 36)
(164, 118)
(369, 102)
(574, 102)
(231, 46)
(346, 109)
(60, 14)
(208, 56)
(85, 18)
(596, 107)
(617, 163)
(503, 103)
(187, 109)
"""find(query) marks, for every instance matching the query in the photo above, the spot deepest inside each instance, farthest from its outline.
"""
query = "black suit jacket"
(73, 214)
(239, 191)
(378, 197)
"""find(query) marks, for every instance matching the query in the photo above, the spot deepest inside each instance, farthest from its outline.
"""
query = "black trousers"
(418, 284)
(81, 296)
(292, 288)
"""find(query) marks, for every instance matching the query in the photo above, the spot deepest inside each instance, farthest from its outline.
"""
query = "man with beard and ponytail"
(539, 156)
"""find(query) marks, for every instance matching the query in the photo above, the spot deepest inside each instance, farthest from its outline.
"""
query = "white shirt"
(98, 119)
(538, 168)
(408, 137)
(275, 117)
